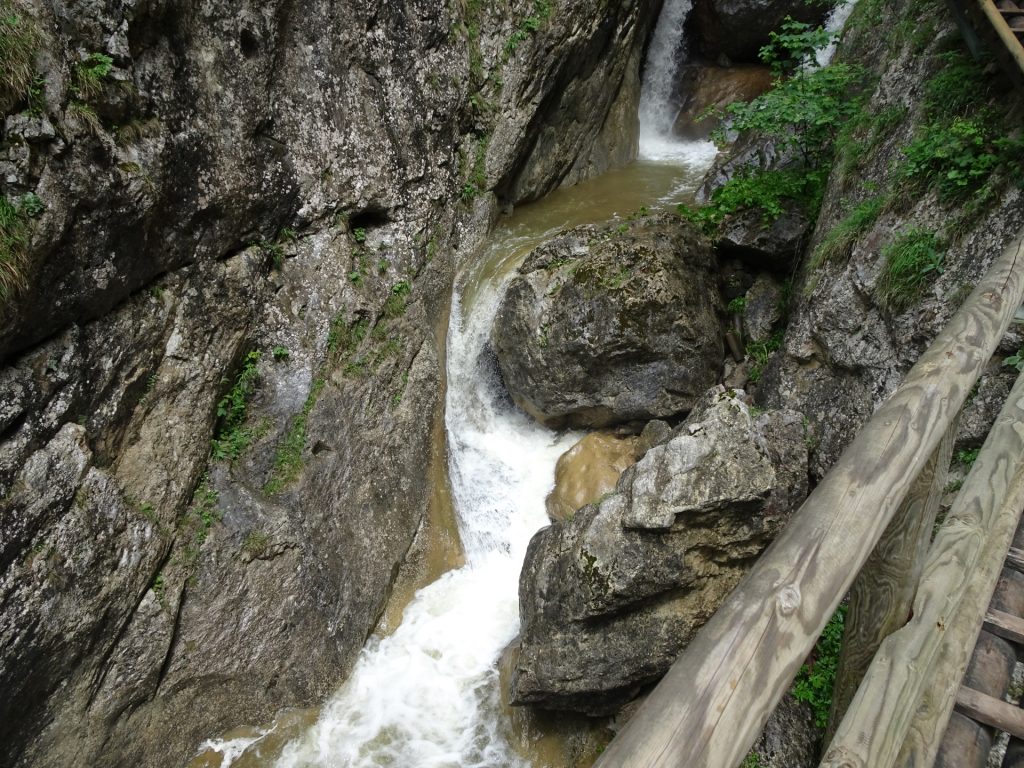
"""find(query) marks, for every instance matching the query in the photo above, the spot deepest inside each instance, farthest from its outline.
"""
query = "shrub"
(793, 46)
(771, 192)
(912, 261)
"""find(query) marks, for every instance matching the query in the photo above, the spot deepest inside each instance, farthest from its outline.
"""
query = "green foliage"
(89, 74)
(957, 158)
(737, 306)
(15, 229)
(752, 760)
(87, 116)
(837, 243)
(1015, 361)
(793, 46)
(288, 461)
(344, 338)
(768, 191)
(280, 353)
(759, 352)
(959, 87)
(968, 456)
(912, 261)
(232, 435)
(20, 40)
(805, 111)
(359, 234)
(814, 681)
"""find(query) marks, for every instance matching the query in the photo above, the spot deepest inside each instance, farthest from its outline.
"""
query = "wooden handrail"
(715, 699)
(963, 564)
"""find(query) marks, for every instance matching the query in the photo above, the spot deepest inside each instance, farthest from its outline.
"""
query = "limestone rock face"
(705, 86)
(610, 597)
(606, 326)
(281, 178)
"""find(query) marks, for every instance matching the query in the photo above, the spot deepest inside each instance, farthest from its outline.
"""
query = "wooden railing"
(714, 701)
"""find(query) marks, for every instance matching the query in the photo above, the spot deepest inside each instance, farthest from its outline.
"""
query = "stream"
(427, 695)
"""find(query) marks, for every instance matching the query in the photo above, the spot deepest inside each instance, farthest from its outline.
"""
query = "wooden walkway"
(915, 612)
(996, 25)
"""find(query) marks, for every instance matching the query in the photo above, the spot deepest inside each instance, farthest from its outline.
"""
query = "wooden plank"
(1005, 625)
(714, 701)
(968, 549)
(1015, 559)
(883, 593)
(989, 710)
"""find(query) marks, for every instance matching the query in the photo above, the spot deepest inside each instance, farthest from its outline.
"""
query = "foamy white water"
(427, 696)
(834, 25)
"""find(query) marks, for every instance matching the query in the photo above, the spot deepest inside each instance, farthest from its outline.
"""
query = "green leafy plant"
(793, 46)
(760, 352)
(20, 39)
(815, 679)
(805, 111)
(912, 261)
(396, 303)
(770, 192)
(737, 306)
(280, 353)
(232, 435)
(359, 234)
(1016, 360)
(89, 74)
(968, 456)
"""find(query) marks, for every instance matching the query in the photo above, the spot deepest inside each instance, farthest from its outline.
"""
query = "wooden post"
(963, 565)
(714, 701)
(883, 593)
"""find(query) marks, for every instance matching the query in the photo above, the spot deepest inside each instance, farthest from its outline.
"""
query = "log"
(883, 593)
(1015, 559)
(716, 697)
(963, 566)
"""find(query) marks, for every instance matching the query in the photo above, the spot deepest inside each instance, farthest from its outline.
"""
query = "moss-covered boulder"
(603, 326)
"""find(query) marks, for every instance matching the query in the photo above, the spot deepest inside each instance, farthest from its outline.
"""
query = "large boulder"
(702, 87)
(609, 598)
(601, 326)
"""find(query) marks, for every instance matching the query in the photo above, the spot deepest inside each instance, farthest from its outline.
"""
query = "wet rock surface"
(294, 181)
(610, 325)
(610, 597)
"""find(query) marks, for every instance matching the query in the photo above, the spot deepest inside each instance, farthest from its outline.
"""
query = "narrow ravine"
(427, 696)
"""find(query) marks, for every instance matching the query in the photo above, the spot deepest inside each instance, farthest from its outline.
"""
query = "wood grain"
(883, 593)
(715, 699)
(961, 571)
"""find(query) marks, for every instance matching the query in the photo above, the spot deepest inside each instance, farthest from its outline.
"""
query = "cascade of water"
(658, 106)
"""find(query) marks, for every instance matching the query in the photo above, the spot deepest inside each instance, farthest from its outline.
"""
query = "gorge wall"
(234, 228)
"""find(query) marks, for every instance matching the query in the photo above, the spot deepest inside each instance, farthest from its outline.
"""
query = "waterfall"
(658, 108)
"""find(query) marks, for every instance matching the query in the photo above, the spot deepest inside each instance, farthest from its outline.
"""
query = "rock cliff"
(232, 229)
